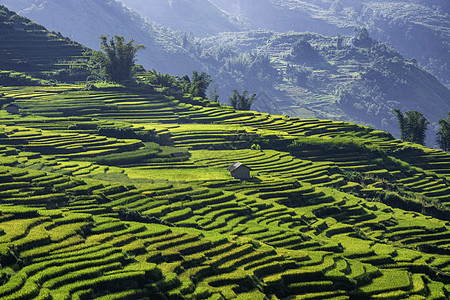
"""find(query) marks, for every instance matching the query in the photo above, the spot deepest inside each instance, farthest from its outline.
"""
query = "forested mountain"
(342, 78)
(418, 29)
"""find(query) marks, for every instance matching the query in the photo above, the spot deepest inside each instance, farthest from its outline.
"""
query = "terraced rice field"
(333, 211)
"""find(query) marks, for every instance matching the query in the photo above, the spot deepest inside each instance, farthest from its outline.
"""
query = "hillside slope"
(330, 78)
(85, 21)
(94, 204)
(124, 193)
(310, 75)
(28, 47)
(200, 17)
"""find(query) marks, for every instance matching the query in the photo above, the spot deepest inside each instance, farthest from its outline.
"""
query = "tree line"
(413, 126)
(117, 63)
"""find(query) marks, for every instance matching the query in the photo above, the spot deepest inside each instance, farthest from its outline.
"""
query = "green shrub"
(169, 282)
(128, 133)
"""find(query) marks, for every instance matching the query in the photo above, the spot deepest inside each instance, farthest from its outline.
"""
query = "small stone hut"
(239, 171)
(13, 108)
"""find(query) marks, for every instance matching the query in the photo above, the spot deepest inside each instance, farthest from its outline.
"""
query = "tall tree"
(443, 135)
(213, 94)
(413, 126)
(241, 102)
(198, 85)
(118, 59)
(303, 51)
(362, 38)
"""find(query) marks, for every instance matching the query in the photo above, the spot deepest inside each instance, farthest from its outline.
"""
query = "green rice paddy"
(119, 194)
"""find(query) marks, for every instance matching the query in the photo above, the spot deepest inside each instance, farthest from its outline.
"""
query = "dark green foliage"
(118, 61)
(250, 67)
(302, 51)
(8, 78)
(150, 153)
(162, 80)
(72, 73)
(413, 126)
(94, 66)
(337, 144)
(198, 85)
(9, 18)
(443, 135)
(129, 157)
(127, 133)
(383, 51)
(232, 67)
(213, 94)
(241, 102)
(340, 41)
(362, 38)
(298, 75)
(7, 257)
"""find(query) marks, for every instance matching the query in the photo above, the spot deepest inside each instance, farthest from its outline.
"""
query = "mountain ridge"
(207, 18)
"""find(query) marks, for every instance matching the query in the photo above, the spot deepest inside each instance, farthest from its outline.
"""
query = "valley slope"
(341, 78)
(86, 21)
(200, 17)
(341, 82)
(418, 29)
(123, 192)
